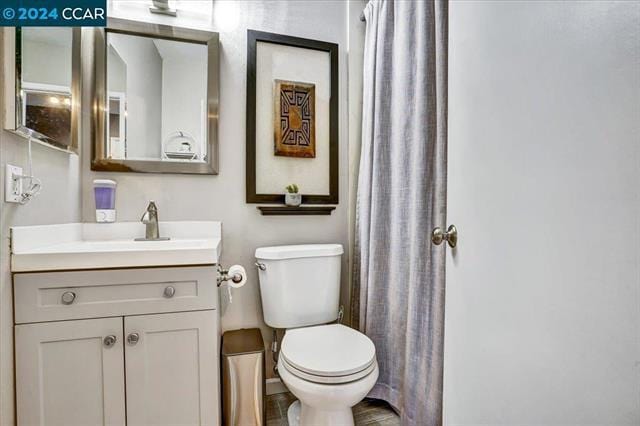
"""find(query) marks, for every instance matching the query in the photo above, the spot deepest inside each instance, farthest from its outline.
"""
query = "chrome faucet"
(150, 219)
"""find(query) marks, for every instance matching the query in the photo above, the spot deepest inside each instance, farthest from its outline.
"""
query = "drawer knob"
(68, 297)
(110, 340)
(133, 338)
(169, 291)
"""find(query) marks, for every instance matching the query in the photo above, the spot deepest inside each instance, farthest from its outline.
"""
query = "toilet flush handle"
(261, 266)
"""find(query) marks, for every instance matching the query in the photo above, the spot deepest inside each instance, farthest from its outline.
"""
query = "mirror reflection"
(157, 99)
(45, 80)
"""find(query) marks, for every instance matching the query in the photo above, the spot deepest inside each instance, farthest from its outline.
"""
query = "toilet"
(329, 367)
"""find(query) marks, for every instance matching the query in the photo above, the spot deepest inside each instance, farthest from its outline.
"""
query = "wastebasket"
(243, 379)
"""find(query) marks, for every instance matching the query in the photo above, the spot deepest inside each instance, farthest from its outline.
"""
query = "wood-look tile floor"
(368, 412)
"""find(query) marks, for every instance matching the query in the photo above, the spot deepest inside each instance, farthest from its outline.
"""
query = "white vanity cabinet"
(115, 347)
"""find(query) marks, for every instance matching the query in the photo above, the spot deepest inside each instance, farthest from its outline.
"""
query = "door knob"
(133, 338)
(110, 340)
(450, 236)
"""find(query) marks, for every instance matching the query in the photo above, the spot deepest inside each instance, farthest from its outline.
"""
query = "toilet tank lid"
(292, 252)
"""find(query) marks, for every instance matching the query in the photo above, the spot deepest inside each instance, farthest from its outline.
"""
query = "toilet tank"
(299, 285)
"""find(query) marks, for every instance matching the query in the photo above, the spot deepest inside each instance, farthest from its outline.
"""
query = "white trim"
(39, 142)
(275, 386)
(121, 96)
(44, 87)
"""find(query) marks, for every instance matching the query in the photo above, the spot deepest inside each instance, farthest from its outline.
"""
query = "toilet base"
(293, 414)
(305, 415)
(321, 404)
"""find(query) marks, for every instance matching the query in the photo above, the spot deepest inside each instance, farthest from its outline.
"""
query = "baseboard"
(275, 386)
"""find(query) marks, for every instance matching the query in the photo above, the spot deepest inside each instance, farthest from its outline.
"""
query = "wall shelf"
(293, 211)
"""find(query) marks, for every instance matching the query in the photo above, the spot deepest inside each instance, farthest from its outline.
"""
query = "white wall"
(59, 202)
(117, 72)
(184, 91)
(222, 197)
(46, 63)
(356, 60)
(143, 95)
(543, 291)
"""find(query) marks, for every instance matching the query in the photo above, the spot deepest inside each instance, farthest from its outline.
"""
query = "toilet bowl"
(329, 368)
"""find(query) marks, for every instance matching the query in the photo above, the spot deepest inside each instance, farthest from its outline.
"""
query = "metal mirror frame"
(13, 86)
(99, 111)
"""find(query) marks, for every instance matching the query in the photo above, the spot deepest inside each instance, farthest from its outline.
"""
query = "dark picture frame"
(253, 37)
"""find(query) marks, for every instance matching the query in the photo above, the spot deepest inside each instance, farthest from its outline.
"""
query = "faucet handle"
(151, 208)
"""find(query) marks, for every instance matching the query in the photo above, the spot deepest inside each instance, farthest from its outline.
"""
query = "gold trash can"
(243, 378)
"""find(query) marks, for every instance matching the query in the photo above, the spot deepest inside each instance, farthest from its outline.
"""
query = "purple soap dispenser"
(105, 193)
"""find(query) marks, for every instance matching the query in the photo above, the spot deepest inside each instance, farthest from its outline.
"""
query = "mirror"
(158, 86)
(47, 85)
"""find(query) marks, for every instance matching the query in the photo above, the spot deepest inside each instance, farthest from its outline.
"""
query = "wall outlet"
(12, 186)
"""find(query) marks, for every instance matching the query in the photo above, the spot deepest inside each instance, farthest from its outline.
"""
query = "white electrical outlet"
(12, 186)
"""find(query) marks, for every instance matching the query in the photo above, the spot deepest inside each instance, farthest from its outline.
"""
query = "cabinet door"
(67, 374)
(172, 369)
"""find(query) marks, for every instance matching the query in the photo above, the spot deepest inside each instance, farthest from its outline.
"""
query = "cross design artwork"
(295, 133)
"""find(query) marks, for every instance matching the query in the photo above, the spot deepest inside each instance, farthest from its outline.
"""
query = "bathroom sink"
(113, 245)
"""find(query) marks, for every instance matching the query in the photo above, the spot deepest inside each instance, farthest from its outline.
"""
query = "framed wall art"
(292, 118)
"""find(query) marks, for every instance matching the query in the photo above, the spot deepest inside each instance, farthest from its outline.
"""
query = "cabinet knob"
(169, 291)
(133, 338)
(110, 340)
(68, 297)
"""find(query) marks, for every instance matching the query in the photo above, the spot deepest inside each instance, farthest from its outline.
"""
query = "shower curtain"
(398, 297)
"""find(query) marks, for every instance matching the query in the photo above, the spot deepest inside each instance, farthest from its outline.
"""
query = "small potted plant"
(292, 197)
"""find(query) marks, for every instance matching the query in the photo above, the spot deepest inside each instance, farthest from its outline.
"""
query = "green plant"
(292, 188)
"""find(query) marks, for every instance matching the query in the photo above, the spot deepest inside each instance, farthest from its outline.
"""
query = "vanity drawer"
(52, 296)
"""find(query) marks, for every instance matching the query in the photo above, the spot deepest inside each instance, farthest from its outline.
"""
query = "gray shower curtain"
(398, 297)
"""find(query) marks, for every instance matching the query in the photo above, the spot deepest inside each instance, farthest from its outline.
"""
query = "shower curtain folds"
(399, 291)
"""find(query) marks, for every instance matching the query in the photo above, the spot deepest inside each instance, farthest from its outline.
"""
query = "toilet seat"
(327, 380)
(328, 354)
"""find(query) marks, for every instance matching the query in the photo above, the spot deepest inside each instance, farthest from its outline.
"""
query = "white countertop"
(98, 245)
